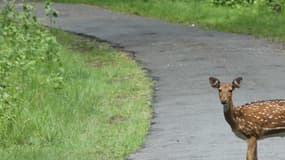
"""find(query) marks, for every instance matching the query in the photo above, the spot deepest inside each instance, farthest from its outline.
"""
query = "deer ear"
(236, 82)
(215, 83)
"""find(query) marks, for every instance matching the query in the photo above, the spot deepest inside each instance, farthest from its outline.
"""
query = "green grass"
(102, 112)
(255, 20)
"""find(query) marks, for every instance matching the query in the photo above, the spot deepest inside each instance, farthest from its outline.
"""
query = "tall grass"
(102, 112)
(97, 108)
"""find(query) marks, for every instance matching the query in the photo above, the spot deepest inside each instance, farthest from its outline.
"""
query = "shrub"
(246, 2)
(231, 3)
(28, 54)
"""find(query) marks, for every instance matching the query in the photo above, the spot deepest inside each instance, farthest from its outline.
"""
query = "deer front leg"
(251, 148)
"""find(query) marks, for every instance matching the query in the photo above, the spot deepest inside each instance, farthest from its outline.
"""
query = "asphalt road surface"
(188, 122)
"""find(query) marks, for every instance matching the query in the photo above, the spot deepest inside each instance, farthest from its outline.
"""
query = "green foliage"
(28, 54)
(50, 12)
(62, 104)
(274, 4)
(231, 3)
(102, 112)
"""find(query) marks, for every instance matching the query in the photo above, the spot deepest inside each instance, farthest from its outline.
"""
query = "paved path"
(189, 123)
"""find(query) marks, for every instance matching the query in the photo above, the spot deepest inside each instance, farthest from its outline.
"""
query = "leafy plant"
(28, 54)
(231, 3)
(274, 5)
(51, 13)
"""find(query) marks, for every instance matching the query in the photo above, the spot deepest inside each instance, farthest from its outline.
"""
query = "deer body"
(261, 119)
(252, 121)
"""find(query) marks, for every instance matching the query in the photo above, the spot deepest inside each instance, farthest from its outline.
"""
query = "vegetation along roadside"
(262, 18)
(67, 97)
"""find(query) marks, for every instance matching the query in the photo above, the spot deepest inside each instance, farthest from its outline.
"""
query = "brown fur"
(251, 121)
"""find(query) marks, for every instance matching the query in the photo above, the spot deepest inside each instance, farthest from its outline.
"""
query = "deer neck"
(229, 113)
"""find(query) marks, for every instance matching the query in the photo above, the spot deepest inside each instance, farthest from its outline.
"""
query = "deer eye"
(220, 90)
(231, 90)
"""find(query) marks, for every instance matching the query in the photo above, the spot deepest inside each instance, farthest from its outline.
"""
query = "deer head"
(225, 89)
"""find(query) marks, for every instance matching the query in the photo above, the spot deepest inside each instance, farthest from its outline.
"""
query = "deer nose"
(223, 101)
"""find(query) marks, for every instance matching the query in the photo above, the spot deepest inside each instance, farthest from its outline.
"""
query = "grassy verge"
(255, 20)
(101, 112)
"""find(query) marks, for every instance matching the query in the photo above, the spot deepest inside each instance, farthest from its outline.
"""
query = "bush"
(231, 3)
(28, 55)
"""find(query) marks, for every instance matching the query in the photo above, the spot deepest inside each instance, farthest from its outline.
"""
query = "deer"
(252, 121)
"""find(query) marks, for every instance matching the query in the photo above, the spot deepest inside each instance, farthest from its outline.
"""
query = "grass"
(102, 112)
(255, 20)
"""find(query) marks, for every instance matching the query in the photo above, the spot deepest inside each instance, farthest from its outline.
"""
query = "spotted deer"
(251, 121)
